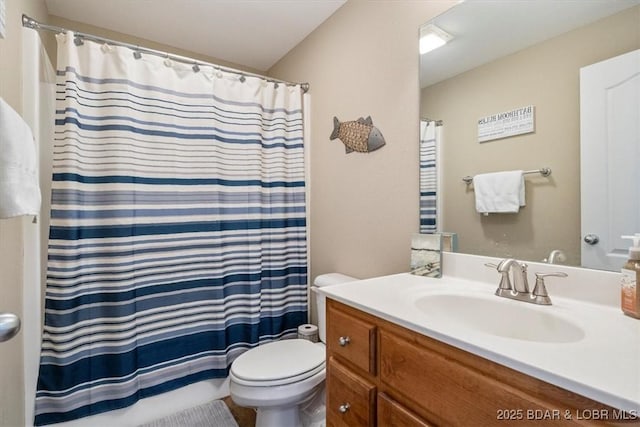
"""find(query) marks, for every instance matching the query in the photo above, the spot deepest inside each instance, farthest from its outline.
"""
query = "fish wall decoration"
(358, 135)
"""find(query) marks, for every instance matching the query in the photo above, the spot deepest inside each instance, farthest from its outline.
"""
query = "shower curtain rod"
(29, 22)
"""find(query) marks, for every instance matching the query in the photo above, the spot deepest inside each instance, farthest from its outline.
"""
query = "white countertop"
(603, 365)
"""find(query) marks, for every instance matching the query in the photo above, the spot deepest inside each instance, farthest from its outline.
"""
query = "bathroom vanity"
(394, 360)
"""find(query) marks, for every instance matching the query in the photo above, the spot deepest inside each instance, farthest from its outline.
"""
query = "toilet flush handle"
(344, 341)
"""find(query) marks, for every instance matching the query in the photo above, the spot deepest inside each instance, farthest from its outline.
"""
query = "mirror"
(505, 56)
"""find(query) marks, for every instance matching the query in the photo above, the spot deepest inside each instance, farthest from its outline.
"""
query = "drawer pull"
(344, 408)
(344, 341)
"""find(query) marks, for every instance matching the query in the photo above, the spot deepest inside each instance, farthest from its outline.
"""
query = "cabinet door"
(351, 338)
(393, 414)
(450, 392)
(350, 399)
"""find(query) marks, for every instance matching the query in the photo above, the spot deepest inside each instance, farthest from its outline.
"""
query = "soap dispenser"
(630, 297)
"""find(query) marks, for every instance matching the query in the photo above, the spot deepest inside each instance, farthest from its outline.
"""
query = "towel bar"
(541, 171)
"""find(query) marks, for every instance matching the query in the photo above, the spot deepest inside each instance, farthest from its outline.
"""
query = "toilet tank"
(320, 300)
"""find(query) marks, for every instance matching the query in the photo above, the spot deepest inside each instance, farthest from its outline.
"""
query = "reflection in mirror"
(503, 56)
(429, 195)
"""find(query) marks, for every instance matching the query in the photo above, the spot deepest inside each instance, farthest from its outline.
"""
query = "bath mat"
(214, 413)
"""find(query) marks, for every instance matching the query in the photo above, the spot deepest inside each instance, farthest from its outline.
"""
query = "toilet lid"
(279, 360)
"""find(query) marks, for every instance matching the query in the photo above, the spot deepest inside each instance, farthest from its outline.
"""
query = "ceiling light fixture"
(432, 37)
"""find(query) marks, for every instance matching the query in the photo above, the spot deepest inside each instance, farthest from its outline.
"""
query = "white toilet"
(279, 377)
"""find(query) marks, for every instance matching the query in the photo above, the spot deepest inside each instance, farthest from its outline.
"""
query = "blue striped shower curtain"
(429, 134)
(177, 236)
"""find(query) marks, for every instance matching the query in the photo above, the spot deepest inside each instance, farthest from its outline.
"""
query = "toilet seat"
(278, 363)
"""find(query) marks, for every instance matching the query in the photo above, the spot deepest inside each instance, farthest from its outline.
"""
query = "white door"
(610, 159)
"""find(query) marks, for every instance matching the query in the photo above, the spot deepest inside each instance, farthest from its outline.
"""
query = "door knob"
(9, 326)
(591, 239)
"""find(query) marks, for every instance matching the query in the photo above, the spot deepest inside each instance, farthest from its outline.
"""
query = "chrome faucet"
(520, 288)
(520, 282)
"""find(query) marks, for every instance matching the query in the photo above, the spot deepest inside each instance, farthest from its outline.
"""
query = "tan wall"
(363, 61)
(547, 76)
(11, 239)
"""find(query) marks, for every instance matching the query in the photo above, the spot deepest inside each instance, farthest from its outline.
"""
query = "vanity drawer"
(392, 413)
(351, 399)
(351, 337)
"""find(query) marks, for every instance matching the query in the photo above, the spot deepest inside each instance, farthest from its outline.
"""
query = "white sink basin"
(500, 317)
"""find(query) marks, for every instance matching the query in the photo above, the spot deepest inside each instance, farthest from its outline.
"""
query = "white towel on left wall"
(19, 188)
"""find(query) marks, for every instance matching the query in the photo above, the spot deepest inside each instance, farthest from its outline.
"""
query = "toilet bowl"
(279, 377)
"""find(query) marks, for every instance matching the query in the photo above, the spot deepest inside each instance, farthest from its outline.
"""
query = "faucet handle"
(555, 274)
(540, 290)
(505, 282)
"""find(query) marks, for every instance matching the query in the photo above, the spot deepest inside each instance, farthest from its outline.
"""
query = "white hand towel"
(499, 192)
(19, 189)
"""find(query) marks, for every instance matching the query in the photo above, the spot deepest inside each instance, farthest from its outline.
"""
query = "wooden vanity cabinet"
(382, 374)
